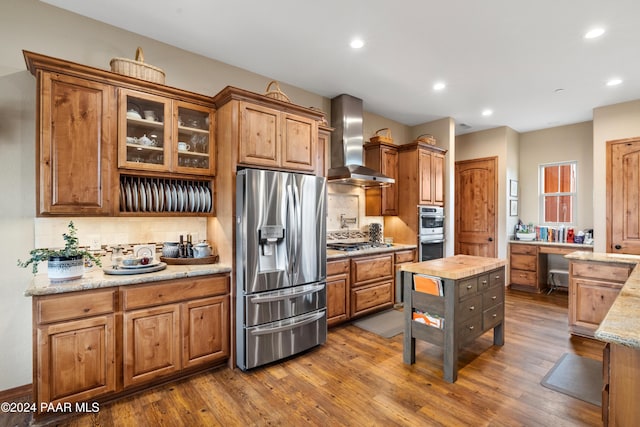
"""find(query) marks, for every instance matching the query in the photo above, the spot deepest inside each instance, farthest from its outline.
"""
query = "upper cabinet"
(158, 133)
(383, 158)
(421, 173)
(75, 150)
(268, 133)
(100, 133)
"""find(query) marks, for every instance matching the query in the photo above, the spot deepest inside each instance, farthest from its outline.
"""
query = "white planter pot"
(65, 268)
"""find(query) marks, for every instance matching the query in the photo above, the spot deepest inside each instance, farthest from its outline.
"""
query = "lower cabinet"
(593, 287)
(167, 328)
(371, 284)
(337, 291)
(621, 368)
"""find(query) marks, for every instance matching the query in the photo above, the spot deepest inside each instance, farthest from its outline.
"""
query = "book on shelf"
(428, 319)
(428, 284)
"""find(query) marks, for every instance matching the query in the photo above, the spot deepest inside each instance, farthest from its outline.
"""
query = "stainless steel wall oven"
(431, 232)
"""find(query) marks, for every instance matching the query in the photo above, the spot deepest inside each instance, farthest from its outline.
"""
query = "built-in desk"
(528, 262)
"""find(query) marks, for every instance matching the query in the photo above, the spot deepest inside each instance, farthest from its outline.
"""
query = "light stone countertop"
(95, 278)
(577, 246)
(621, 325)
(455, 267)
(333, 254)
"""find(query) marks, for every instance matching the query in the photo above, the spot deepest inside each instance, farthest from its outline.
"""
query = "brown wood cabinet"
(372, 284)
(167, 329)
(255, 130)
(337, 291)
(75, 146)
(323, 162)
(621, 366)
(527, 270)
(593, 287)
(74, 347)
(383, 158)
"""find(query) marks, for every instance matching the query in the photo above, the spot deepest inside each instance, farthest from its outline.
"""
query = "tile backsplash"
(346, 219)
(110, 231)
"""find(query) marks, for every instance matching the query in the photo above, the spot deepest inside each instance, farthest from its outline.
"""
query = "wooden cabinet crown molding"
(421, 145)
(37, 61)
(231, 93)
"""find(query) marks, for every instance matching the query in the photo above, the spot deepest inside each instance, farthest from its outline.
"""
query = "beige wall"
(557, 144)
(609, 123)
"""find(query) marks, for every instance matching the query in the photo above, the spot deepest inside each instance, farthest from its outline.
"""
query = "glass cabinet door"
(194, 148)
(144, 136)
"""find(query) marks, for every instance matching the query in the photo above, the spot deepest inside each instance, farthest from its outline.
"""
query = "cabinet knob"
(471, 328)
(618, 247)
(472, 308)
(469, 286)
(494, 315)
(497, 277)
(484, 282)
(494, 297)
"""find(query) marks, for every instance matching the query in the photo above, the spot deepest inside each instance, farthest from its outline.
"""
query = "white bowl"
(526, 236)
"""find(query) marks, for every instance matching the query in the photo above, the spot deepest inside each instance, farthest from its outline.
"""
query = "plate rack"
(139, 195)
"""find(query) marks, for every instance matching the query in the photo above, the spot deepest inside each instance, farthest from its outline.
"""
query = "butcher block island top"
(455, 267)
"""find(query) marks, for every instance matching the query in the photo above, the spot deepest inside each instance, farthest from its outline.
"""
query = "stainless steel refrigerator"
(280, 265)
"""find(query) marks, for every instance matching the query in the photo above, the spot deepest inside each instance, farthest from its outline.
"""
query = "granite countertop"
(95, 278)
(335, 254)
(455, 267)
(621, 325)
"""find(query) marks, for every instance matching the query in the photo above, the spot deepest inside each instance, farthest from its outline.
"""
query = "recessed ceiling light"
(487, 113)
(614, 82)
(439, 86)
(594, 33)
(558, 90)
(356, 43)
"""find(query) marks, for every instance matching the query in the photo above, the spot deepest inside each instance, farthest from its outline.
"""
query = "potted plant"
(63, 264)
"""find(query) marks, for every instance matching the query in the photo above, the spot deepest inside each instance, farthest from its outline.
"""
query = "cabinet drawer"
(371, 298)
(367, 269)
(405, 256)
(470, 307)
(599, 270)
(523, 249)
(496, 278)
(492, 297)
(74, 305)
(467, 287)
(524, 262)
(492, 316)
(483, 282)
(470, 328)
(337, 267)
(521, 277)
(174, 290)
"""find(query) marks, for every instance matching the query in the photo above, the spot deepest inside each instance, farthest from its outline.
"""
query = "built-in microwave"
(431, 232)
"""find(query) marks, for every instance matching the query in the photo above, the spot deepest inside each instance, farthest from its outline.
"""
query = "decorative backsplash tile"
(346, 219)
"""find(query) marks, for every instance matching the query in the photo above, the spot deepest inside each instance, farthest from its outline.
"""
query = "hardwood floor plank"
(359, 379)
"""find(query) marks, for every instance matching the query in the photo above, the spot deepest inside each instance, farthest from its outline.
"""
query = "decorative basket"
(429, 139)
(137, 68)
(276, 93)
(379, 137)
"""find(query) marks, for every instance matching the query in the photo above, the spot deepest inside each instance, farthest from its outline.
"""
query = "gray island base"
(470, 304)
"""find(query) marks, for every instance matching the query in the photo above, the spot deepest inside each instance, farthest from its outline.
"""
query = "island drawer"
(470, 307)
(74, 305)
(492, 316)
(173, 291)
(467, 287)
(492, 297)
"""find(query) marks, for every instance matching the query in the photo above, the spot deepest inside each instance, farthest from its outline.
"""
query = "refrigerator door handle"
(291, 235)
(298, 233)
(275, 329)
(270, 298)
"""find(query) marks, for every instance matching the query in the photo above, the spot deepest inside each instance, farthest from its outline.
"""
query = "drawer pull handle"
(472, 308)
(484, 282)
(471, 328)
(494, 297)
(497, 277)
(469, 286)
(494, 315)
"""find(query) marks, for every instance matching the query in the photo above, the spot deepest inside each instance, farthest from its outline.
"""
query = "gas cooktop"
(354, 246)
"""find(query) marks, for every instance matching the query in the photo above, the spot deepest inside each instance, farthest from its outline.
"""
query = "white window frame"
(542, 194)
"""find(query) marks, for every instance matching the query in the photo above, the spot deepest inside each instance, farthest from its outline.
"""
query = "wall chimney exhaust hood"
(347, 141)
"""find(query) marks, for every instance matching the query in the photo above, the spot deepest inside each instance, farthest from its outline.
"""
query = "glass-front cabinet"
(161, 134)
(193, 150)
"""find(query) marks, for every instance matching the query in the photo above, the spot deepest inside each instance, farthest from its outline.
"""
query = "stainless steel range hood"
(347, 165)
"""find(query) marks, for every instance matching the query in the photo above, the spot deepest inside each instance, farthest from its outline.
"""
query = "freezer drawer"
(271, 306)
(277, 340)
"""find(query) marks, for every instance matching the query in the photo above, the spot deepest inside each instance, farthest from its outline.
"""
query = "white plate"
(195, 194)
(123, 203)
(156, 198)
(136, 197)
(129, 201)
(203, 200)
(174, 198)
(192, 200)
(167, 195)
(180, 199)
(207, 194)
(150, 200)
(131, 267)
(185, 198)
(143, 197)
(144, 250)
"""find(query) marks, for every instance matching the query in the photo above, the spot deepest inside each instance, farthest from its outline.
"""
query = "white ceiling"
(510, 56)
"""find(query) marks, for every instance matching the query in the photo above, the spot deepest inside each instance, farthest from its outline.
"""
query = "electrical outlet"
(94, 242)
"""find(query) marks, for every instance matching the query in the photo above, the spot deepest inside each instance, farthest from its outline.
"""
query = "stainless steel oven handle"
(432, 241)
(259, 299)
(276, 329)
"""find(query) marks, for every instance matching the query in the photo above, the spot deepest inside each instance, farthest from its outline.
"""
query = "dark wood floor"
(358, 379)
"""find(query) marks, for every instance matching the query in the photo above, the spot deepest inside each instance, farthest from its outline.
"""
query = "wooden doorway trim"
(476, 201)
